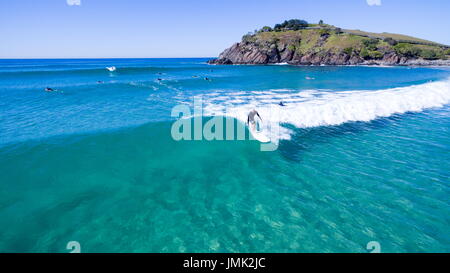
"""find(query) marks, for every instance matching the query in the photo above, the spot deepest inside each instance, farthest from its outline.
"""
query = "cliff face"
(325, 47)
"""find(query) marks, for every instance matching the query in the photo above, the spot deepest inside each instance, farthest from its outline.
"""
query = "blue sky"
(191, 28)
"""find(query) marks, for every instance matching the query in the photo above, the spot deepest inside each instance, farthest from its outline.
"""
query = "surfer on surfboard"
(255, 128)
(251, 117)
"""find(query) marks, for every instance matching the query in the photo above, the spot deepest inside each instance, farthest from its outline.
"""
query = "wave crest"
(312, 108)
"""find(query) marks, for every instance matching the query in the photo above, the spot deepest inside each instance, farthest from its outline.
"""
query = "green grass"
(343, 41)
(309, 40)
(306, 41)
(397, 37)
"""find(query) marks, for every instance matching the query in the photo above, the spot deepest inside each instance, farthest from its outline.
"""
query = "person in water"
(281, 104)
(251, 118)
(48, 89)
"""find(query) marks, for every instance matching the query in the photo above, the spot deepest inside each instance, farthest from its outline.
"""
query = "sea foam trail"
(312, 108)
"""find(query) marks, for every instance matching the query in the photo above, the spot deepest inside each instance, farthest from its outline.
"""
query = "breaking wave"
(312, 108)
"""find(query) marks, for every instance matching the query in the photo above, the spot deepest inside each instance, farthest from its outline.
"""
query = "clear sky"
(192, 28)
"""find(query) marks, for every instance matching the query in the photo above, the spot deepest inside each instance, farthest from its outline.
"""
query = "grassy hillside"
(397, 37)
(316, 39)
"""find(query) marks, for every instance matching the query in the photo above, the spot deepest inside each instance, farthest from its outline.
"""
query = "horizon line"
(76, 58)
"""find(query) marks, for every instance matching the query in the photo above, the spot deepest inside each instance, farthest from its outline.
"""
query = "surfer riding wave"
(251, 118)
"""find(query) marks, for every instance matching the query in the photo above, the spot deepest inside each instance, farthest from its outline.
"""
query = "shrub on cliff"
(370, 54)
(429, 54)
(364, 53)
(370, 44)
(376, 55)
(407, 50)
(348, 50)
(390, 41)
(291, 47)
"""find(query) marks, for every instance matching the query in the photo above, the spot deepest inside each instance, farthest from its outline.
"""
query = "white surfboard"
(258, 135)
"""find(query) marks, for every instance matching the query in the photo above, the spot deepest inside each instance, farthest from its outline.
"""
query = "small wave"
(280, 64)
(50, 70)
(312, 108)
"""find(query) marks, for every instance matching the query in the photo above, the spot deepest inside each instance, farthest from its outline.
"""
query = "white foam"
(313, 108)
(280, 64)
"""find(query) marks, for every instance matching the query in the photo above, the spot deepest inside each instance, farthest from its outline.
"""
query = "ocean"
(362, 155)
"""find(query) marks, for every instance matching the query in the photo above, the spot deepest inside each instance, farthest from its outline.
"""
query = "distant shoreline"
(446, 64)
(107, 58)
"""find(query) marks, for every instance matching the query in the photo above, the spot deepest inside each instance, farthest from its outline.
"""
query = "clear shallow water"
(364, 158)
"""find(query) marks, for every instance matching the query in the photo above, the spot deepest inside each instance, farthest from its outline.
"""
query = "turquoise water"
(362, 156)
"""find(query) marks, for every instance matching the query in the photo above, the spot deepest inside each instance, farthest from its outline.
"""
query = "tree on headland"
(293, 24)
(265, 29)
(321, 22)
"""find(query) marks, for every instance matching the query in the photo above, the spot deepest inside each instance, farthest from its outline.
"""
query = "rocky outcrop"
(256, 50)
(240, 53)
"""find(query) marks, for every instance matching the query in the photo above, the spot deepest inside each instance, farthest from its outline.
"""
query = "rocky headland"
(299, 43)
